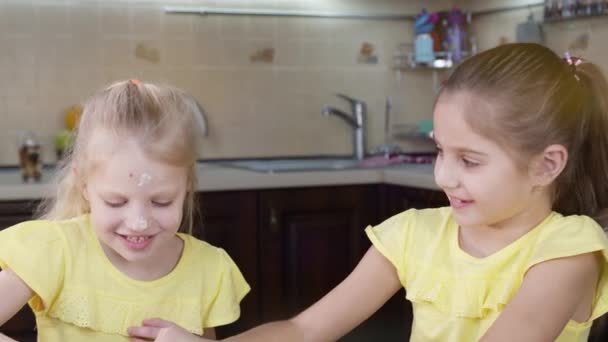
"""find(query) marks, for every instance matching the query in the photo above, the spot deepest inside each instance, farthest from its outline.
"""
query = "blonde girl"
(109, 251)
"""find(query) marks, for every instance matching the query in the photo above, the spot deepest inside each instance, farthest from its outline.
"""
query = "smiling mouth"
(458, 203)
(136, 239)
(136, 242)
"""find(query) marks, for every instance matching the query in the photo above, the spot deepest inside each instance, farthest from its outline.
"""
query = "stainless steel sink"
(294, 165)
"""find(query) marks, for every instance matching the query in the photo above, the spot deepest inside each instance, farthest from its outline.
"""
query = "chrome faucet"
(356, 119)
(199, 116)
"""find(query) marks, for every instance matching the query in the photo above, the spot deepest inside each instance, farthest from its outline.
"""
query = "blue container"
(423, 49)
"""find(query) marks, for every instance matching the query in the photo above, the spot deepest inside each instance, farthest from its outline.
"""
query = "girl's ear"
(549, 164)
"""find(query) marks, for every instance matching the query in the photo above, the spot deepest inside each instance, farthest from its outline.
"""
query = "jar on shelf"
(30, 158)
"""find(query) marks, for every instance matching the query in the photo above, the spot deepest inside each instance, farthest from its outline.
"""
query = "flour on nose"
(139, 224)
(144, 179)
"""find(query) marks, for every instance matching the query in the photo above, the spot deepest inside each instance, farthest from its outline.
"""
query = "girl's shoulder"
(561, 236)
(417, 221)
(218, 273)
(572, 228)
(51, 236)
(207, 256)
(33, 231)
(38, 252)
(407, 236)
(200, 247)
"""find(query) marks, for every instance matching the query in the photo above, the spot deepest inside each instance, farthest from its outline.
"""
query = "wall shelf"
(201, 10)
(443, 61)
(407, 62)
(574, 18)
(284, 13)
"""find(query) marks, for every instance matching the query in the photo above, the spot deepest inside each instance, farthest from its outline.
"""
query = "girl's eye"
(161, 204)
(115, 204)
(469, 163)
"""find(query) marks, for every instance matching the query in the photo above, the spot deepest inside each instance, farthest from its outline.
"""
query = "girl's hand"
(161, 331)
(4, 338)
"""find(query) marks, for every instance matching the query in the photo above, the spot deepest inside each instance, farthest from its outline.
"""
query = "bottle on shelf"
(29, 157)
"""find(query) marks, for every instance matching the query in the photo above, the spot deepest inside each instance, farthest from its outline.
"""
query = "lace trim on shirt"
(115, 316)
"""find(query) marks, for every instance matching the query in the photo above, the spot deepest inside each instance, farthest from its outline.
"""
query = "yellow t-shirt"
(81, 296)
(457, 297)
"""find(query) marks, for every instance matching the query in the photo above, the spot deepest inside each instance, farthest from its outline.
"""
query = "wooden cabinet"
(13, 212)
(228, 220)
(399, 198)
(312, 239)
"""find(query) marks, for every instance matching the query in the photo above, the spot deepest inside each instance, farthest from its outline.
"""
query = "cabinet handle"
(274, 221)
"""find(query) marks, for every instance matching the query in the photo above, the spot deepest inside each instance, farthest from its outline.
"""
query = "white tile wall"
(54, 53)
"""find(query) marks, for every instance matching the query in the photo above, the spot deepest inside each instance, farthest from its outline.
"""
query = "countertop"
(216, 177)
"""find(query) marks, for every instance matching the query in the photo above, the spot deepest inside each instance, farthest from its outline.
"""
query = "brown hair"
(537, 99)
(164, 120)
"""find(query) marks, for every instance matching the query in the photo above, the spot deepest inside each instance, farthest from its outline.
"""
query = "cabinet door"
(22, 326)
(310, 241)
(229, 220)
(400, 198)
(13, 212)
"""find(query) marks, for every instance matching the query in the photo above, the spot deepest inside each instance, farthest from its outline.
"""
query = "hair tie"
(135, 82)
(573, 62)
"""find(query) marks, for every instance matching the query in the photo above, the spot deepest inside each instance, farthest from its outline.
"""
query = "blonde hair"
(164, 120)
(535, 99)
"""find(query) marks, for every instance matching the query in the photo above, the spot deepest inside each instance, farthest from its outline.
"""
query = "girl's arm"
(363, 292)
(552, 293)
(14, 294)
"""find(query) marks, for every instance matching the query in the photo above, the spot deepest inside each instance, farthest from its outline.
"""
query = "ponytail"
(585, 189)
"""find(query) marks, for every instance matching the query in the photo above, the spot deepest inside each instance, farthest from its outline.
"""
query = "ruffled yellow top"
(81, 296)
(457, 297)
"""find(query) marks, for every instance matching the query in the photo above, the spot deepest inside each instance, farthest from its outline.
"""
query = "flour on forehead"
(144, 179)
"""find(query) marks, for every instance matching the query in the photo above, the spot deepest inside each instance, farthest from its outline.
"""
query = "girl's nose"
(445, 176)
(138, 219)
(138, 224)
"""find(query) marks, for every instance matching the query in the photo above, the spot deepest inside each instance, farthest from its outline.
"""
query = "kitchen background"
(261, 80)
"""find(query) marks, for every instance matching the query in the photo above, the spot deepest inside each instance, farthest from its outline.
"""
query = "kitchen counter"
(216, 177)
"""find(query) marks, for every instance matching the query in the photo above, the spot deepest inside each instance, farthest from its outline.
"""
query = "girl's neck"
(154, 267)
(483, 241)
